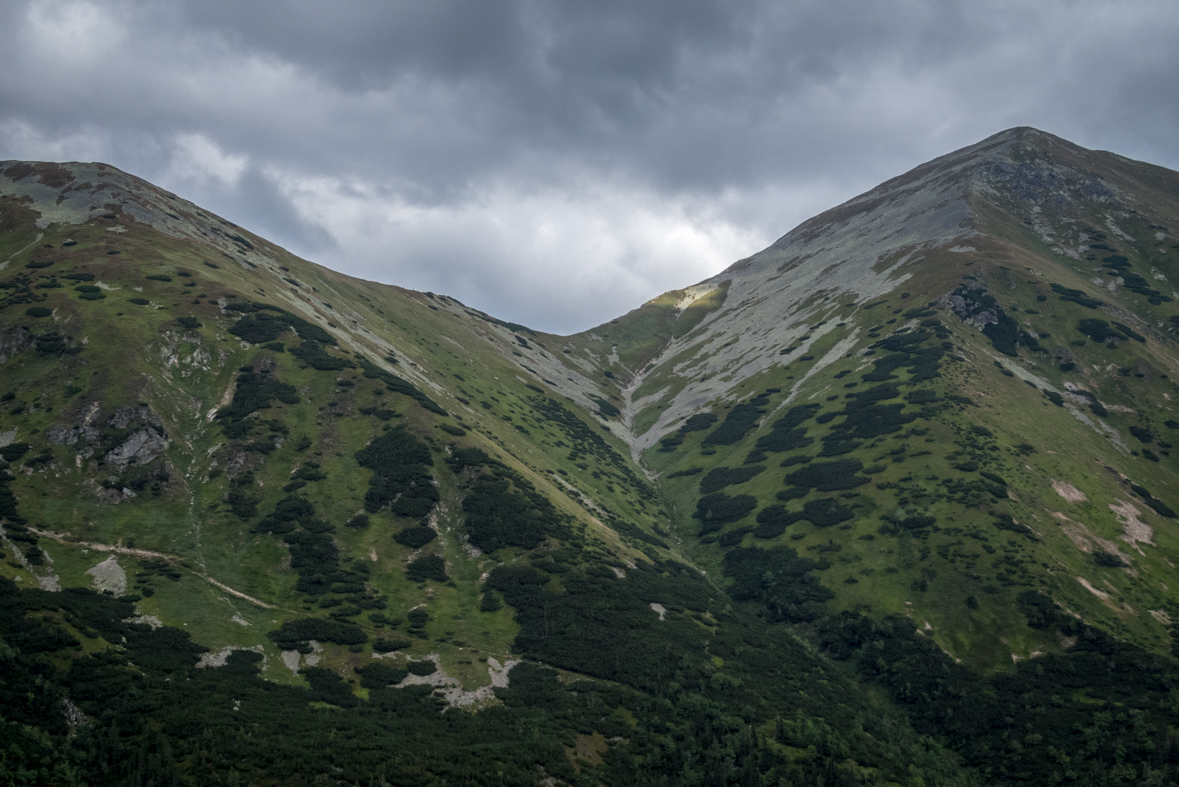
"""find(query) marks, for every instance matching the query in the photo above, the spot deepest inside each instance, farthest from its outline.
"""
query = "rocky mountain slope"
(1027, 280)
(898, 485)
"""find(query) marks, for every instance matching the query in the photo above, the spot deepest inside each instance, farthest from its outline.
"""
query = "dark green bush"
(684, 473)
(718, 509)
(327, 686)
(1159, 507)
(269, 322)
(829, 476)
(1129, 332)
(464, 457)
(825, 512)
(1075, 296)
(254, 392)
(399, 386)
(424, 667)
(1098, 330)
(772, 521)
(427, 568)
(313, 354)
(401, 474)
(389, 645)
(779, 580)
(720, 477)
(293, 633)
(605, 408)
(922, 396)
(415, 537)
(698, 422)
(14, 451)
(377, 675)
(1106, 560)
(737, 423)
(498, 516)
(1142, 435)
(915, 522)
(1007, 522)
(784, 436)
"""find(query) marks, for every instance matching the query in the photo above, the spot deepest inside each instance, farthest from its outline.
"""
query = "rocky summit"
(889, 502)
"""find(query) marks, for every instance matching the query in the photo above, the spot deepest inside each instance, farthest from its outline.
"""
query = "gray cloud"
(558, 163)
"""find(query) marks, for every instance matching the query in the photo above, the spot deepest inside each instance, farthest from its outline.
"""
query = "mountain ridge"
(931, 422)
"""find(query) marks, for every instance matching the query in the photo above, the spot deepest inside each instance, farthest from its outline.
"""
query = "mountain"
(888, 502)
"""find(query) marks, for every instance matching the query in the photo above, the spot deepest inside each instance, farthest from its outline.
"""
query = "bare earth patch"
(145, 620)
(1069, 492)
(453, 692)
(109, 575)
(217, 658)
(1077, 533)
(291, 659)
(1084, 539)
(1101, 594)
(1134, 530)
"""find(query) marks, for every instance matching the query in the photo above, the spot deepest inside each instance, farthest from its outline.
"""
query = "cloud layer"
(559, 163)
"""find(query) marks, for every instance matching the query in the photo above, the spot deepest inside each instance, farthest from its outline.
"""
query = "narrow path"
(147, 553)
(16, 254)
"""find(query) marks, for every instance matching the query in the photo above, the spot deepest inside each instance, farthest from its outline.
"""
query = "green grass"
(190, 520)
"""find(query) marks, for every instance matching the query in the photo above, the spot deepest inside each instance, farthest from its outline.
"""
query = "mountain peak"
(871, 245)
(932, 424)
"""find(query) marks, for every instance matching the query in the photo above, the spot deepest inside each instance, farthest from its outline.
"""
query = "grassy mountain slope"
(1004, 384)
(794, 522)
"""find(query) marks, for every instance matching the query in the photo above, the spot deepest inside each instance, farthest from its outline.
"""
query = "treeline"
(1102, 713)
(144, 714)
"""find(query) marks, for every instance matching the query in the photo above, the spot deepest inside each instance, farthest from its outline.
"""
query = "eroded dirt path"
(147, 553)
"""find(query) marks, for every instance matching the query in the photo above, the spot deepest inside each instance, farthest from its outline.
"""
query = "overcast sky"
(559, 163)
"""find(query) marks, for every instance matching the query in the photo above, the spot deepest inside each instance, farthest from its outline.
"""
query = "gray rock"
(62, 435)
(140, 448)
(239, 461)
(125, 416)
(12, 342)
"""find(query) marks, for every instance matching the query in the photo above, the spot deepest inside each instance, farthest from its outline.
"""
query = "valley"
(889, 502)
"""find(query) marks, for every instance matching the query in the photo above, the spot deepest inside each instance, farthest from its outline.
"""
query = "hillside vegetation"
(891, 502)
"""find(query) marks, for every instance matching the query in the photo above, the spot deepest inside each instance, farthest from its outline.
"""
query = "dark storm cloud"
(557, 163)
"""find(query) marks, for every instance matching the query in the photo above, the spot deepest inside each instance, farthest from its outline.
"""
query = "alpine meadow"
(888, 503)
